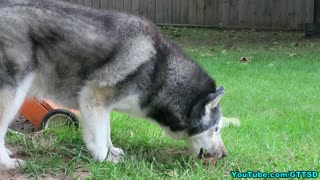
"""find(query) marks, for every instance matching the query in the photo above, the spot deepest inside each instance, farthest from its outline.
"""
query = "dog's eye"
(215, 129)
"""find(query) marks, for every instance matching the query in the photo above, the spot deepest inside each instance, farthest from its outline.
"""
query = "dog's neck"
(172, 90)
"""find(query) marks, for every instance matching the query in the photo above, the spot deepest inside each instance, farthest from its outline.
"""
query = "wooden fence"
(276, 14)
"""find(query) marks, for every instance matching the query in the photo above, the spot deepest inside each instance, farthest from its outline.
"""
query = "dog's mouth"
(207, 158)
(203, 154)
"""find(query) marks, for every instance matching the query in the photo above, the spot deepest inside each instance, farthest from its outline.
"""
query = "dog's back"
(98, 61)
(69, 45)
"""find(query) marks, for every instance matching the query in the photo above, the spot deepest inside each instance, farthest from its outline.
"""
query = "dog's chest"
(130, 105)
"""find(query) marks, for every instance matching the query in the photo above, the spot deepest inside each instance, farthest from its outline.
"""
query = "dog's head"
(208, 142)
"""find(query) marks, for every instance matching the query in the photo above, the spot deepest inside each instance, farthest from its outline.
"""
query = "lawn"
(276, 96)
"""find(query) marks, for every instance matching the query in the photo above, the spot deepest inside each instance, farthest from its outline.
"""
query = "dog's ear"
(221, 88)
(214, 98)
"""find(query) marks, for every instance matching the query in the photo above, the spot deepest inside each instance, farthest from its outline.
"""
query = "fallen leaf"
(172, 173)
(131, 134)
(270, 65)
(291, 54)
(294, 44)
(245, 59)
(224, 52)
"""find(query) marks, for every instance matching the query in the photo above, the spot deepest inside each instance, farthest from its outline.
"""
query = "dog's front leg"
(11, 99)
(114, 153)
(96, 128)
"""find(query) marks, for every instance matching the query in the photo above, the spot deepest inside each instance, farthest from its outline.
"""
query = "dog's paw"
(9, 152)
(111, 154)
(99, 154)
(115, 154)
(116, 151)
(11, 163)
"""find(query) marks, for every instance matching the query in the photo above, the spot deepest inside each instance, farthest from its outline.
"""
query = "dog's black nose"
(224, 154)
(200, 155)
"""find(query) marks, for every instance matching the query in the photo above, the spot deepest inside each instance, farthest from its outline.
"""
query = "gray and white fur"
(99, 61)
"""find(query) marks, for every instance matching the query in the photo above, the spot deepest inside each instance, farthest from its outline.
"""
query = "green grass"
(276, 97)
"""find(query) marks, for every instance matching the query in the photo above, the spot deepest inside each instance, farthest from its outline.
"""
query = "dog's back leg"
(93, 103)
(11, 98)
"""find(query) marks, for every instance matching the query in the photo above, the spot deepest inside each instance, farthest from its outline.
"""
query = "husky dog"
(99, 61)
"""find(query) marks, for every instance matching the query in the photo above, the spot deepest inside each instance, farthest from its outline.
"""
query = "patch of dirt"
(17, 175)
(12, 175)
(82, 175)
(22, 125)
(78, 175)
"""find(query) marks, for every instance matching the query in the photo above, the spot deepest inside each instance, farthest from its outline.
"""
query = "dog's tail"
(230, 122)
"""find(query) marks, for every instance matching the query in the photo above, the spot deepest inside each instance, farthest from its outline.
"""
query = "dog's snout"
(224, 154)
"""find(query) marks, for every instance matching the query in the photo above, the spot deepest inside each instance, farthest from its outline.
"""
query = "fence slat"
(175, 16)
(284, 4)
(291, 14)
(298, 14)
(234, 13)
(96, 4)
(103, 4)
(152, 10)
(243, 13)
(127, 5)
(167, 6)
(284, 14)
(159, 11)
(200, 12)
(276, 11)
(259, 8)
(82, 2)
(111, 4)
(225, 12)
(184, 12)
(88, 3)
(208, 12)
(303, 14)
(217, 12)
(135, 7)
(143, 8)
(251, 12)
(267, 19)
(192, 12)
(119, 5)
(310, 11)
